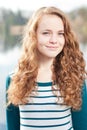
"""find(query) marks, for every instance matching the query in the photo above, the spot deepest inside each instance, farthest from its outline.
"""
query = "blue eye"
(45, 32)
(61, 34)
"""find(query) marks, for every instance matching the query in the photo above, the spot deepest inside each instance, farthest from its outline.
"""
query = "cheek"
(62, 44)
(41, 41)
(62, 41)
(39, 44)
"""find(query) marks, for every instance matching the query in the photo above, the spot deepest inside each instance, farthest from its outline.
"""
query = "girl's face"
(50, 36)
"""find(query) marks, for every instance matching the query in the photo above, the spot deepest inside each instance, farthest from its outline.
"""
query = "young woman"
(47, 83)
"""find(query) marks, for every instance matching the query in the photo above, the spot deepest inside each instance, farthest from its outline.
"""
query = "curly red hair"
(68, 66)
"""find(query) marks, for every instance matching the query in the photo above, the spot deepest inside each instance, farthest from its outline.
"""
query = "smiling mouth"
(52, 47)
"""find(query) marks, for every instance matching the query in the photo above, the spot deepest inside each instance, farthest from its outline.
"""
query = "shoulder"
(84, 92)
(8, 79)
(12, 112)
(80, 117)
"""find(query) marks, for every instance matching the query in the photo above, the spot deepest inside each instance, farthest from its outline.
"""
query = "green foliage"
(11, 19)
(79, 23)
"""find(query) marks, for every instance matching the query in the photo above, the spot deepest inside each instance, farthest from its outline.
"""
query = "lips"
(54, 47)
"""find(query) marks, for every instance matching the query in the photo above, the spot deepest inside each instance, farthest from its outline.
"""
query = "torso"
(43, 112)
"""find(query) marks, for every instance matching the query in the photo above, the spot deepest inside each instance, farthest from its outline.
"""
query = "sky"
(65, 5)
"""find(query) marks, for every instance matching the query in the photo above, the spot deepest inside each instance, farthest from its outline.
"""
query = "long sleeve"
(80, 117)
(12, 113)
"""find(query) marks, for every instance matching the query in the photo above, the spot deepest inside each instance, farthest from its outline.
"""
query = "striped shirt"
(43, 112)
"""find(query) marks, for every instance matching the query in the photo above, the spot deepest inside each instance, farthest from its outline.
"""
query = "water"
(8, 62)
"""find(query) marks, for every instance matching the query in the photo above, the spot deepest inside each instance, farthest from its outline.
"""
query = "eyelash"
(45, 32)
(49, 33)
(60, 33)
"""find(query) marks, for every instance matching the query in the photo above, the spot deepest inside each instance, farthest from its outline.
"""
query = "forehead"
(47, 21)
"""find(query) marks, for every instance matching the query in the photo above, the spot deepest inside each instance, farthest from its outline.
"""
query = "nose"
(53, 39)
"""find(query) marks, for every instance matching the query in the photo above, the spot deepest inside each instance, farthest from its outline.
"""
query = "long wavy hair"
(68, 66)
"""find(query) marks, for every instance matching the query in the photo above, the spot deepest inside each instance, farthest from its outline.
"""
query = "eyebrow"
(61, 31)
(50, 30)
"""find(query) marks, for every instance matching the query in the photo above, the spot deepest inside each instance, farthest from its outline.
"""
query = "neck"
(45, 64)
(45, 71)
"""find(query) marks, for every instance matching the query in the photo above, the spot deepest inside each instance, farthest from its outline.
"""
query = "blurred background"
(14, 16)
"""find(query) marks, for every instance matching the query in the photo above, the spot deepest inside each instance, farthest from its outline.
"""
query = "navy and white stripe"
(43, 113)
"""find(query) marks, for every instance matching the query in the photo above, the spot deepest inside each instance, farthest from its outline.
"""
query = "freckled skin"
(50, 36)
